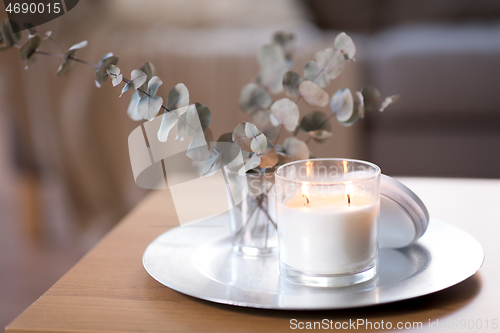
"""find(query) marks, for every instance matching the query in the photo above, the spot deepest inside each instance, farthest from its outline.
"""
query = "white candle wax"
(328, 236)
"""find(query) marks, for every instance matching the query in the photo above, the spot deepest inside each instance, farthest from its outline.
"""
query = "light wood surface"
(109, 290)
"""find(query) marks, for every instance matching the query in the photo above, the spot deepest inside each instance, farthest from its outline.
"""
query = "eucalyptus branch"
(314, 78)
(54, 41)
(57, 55)
(128, 81)
(278, 134)
(274, 77)
(83, 62)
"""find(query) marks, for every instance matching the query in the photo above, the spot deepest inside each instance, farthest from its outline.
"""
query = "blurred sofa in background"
(443, 58)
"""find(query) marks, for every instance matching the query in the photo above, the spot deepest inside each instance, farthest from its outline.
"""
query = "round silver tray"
(198, 261)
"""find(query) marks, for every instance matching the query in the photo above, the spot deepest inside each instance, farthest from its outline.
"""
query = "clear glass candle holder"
(327, 216)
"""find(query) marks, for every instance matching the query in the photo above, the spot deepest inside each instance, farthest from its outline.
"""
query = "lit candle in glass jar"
(328, 225)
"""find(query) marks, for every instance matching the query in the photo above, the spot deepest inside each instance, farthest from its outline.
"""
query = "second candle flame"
(349, 189)
(305, 192)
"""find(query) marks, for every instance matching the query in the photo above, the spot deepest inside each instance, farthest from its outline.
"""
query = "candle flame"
(345, 166)
(305, 192)
(349, 190)
(309, 165)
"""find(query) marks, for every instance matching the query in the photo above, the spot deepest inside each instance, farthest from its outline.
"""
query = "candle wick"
(305, 196)
(348, 200)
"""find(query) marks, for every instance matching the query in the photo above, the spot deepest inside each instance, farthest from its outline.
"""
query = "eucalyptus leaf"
(153, 84)
(371, 98)
(100, 71)
(67, 62)
(29, 48)
(30, 61)
(291, 82)
(181, 127)
(354, 118)
(272, 67)
(125, 88)
(251, 131)
(294, 150)
(345, 45)
(203, 114)
(313, 73)
(330, 61)
(258, 141)
(132, 111)
(249, 138)
(178, 97)
(114, 72)
(315, 120)
(286, 41)
(149, 107)
(197, 115)
(342, 104)
(116, 80)
(320, 135)
(226, 137)
(228, 150)
(359, 105)
(285, 112)
(262, 120)
(252, 163)
(168, 121)
(150, 71)
(388, 101)
(138, 78)
(209, 138)
(313, 94)
(357, 110)
(254, 98)
(10, 38)
(189, 123)
(199, 149)
(268, 158)
(208, 166)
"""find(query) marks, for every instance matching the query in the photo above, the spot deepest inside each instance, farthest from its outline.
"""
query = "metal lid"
(403, 216)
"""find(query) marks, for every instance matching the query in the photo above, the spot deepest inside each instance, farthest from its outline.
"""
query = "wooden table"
(109, 290)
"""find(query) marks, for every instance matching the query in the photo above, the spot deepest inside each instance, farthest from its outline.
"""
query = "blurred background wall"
(65, 176)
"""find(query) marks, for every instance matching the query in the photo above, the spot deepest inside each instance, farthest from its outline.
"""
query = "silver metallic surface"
(199, 261)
